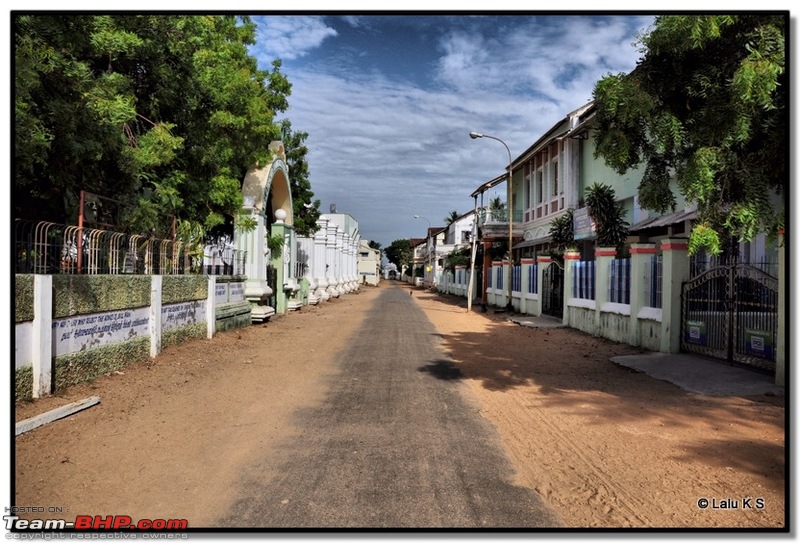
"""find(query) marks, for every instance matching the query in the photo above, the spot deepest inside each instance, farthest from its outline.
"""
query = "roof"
(489, 184)
(531, 242)
(663, 220)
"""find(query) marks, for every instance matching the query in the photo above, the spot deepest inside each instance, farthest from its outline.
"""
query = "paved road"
(395, 444)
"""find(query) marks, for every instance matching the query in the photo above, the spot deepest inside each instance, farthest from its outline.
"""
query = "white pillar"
(319, 260)
(211, 307)
(154, 324)
(330, 259)
(42, 336)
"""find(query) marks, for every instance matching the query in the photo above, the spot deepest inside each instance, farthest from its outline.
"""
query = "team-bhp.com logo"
(89, 522)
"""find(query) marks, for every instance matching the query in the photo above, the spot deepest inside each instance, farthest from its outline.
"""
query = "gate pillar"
(570, 257)
(603, 257)
(675, 266)
(641, 253)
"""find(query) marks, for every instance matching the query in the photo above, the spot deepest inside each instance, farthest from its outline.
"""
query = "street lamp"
(476, 135)
(426, 241)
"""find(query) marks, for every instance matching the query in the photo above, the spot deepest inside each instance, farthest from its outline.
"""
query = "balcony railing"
(497, 216)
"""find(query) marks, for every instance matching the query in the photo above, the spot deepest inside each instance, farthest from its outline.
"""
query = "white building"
(369, 264)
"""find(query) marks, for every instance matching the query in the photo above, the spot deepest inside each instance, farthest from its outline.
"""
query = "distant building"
(369, 264)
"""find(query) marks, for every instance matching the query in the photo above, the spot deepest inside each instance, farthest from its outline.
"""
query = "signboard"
(758, 343)
(221, 293)
(182, 314)
(82, 332)
(696, 332)
(235, 292)
(583, 226)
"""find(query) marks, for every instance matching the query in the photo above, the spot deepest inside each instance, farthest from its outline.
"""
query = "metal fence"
(583, 279)
(653, 281)
(619, 284)
(51, 248)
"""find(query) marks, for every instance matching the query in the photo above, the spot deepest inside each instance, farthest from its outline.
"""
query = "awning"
(663, 220)
(532, 242)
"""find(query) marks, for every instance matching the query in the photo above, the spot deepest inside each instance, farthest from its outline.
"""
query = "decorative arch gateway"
(268, 199)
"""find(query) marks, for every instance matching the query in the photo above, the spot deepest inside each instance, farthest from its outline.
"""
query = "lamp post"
(476, 135)
(426, 240)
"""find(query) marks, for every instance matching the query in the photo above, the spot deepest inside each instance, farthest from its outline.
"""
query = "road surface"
(397, 443)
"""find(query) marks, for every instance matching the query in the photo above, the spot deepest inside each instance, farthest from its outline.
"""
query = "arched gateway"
(268, 200)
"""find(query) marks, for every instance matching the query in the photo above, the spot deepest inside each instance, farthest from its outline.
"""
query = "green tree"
(608, 215)
(400, 253)
(707, 105)
(451, 217)
(164, 113)
(306, 210)
(562, 231)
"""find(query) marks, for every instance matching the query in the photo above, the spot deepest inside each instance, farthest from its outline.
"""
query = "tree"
(707, 104)
(164, 113)
(451, 218)
(400, 253)
(306, 211)
(607, 214)
(562, 230)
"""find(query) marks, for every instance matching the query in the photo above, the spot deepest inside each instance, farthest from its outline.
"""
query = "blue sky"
(388, 101)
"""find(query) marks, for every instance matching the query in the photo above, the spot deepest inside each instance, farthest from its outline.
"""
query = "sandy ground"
(604, 446)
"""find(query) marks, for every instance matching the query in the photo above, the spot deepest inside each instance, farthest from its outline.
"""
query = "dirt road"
(600, 445)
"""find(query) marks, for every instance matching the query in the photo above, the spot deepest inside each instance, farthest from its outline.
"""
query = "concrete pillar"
(330, 259)
(211, 307)
(641, 253)
(603, 257)
(318, 262)
(487, 265)
(675, 265)
(42, 336)
(277, 261)
(780, 348)
(570, 258)
(526, 265)
(154, 326)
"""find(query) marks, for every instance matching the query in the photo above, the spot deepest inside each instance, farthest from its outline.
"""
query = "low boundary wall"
(74, 328)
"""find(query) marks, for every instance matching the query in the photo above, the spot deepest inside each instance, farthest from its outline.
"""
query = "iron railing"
(51, 248)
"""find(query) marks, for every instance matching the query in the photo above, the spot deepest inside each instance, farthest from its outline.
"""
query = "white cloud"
(290, 37)
(385, 150)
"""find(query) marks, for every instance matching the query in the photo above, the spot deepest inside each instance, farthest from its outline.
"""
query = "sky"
(388, 101)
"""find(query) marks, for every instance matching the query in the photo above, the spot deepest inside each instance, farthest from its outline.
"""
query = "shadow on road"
(443, 369)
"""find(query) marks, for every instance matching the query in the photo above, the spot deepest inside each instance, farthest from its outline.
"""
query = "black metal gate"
(731, 312)
(553, 290)
(272, 282)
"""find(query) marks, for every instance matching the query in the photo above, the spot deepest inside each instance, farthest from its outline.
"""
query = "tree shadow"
(445, 370)
(570, 371)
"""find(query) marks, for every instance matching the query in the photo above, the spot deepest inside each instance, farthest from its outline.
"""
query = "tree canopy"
(400, 253)
(165, 113)
(707, 105)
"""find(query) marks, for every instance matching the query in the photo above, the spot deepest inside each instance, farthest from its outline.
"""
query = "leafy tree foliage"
(306, 213)
(164, 113)
(400, 253)
(608, 215)
(459, 257)
(707, 104)
(562, 230)
(451, 217)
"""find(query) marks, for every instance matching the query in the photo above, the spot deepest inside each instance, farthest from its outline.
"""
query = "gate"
(731, 312)
(272, 282)
(552, 290)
